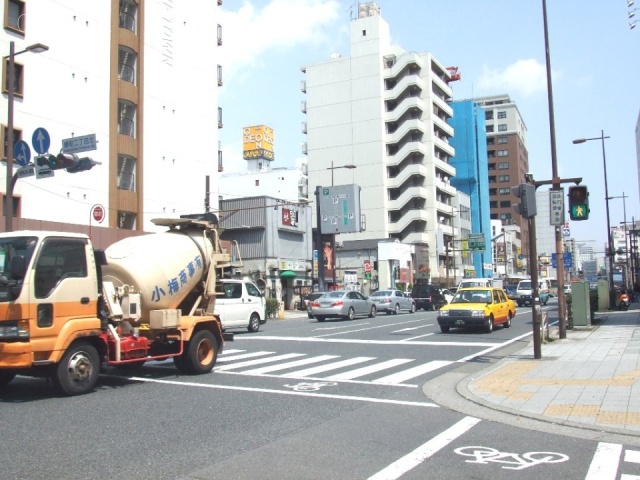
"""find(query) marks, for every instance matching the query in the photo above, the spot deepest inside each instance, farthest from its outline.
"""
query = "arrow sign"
(41, 140)
(22, 152)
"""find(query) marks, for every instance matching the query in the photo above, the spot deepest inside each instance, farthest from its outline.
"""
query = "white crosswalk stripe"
(265, 363)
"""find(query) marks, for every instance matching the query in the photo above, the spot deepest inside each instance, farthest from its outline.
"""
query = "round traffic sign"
(98, 213)
(41, 140)
(22, 153)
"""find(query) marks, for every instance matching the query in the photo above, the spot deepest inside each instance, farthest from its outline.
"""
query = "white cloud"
(248, 32)
(524, 77)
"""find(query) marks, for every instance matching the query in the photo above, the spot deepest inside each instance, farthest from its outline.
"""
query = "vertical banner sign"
(556, 207)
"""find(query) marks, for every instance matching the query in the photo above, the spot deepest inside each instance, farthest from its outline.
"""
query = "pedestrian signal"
(578, 202)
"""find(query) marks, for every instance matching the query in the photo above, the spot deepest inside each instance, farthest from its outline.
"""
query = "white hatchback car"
(240, 304)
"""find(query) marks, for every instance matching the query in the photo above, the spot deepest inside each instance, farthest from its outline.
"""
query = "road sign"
(556, 204)
(22, 152)
(567, 260)
(41, 140)
(26, 171)
(43, 171)
(79, 144)
(477, 242)
(98, 213)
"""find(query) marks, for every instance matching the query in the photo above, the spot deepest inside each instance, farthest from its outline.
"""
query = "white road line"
(377, 342)
(604, 465)
(632, 456)
(624, 476)
(413, 372)
(413, 328)
(250, 363)
(387, 325)
(232, 358)
(419, 336)
(420, 454)
(284, 366)
(338, 328)
(324, 379)
(231, 350)
(329, 366)
(286, 392)
(361, 372)
(491, 349)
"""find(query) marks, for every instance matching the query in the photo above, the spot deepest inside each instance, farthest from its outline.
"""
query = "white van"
(475, 282)
(240, 304)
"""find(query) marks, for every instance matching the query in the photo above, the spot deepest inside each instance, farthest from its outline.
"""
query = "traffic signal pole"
(562, 309)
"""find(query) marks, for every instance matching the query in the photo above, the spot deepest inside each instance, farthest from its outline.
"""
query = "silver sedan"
(393, 301)
(342, 304)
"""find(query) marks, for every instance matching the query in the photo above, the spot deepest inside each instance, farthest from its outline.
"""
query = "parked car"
(342, 304)
(428, 297)
(448, 294)
(483, 307)
(392, 301)
(567, 289)
(306, 301)
(525, 295)
(240, 304)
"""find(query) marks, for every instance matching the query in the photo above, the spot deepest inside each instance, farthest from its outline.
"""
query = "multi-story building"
(118, 72)
(472, 175)
(508, 160)
(384, 111)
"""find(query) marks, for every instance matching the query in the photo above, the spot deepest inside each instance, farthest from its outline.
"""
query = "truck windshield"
(10, 248)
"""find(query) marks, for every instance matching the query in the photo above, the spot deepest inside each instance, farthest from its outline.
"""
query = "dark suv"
(428, 297)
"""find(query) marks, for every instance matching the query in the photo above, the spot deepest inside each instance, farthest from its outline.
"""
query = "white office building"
(384, 111)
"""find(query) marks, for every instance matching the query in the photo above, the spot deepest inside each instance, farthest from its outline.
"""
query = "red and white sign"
(97, 212)
(367, 266)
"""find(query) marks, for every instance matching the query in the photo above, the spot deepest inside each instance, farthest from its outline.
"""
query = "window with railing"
(219, 117)
(220, 167)
(126, 173)
(128, 15)
(126, 220)
(219, 34)
(127, 61)
(17, 78)
(15, 16)
(219, 75)
(126, 118)
(17, 135)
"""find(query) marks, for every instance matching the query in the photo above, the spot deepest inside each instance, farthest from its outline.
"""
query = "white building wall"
(281, 183)
(67, 91)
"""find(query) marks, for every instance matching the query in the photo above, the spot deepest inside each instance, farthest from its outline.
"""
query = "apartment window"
(504, 191)
(502, 127)
(492, 166)
(505, 204)
(491, 140)
(219, 117)
(489, 128)
(126, 173)
(503, 153)
(128, 14)
(492, 179)
(503, 178)
(14, 16)
(17, 135)
(127, 60)
(257, 183)
(502, 115)
(219, 34)
(219, 75)
(127, 118)
(493, 191)
(491, 154)
(505, 217)
(488, 115)
(126, 220)
(503, 139)
(17, 78)
(493, 204)
(503, 166)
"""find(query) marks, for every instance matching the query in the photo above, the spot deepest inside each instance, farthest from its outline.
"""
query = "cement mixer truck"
(66, 310)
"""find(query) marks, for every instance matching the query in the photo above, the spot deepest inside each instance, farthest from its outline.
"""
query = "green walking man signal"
(578, 203)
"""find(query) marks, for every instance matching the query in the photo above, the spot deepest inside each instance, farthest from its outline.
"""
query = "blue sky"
(498, 46)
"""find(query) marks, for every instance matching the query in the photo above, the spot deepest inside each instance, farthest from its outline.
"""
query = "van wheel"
(254, 323)
(77, 372)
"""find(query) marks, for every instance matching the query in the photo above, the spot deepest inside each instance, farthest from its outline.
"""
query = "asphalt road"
(299, 399)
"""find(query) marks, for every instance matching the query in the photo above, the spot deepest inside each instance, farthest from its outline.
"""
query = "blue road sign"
(567, 260)
(22, 152)
(41, 140)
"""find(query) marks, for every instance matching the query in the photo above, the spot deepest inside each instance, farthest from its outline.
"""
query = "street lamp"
(612, 300)
(11, 80)
(332, 168)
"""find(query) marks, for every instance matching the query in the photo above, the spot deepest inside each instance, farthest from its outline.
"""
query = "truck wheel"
(202, 352)
(78, 370)
(5, 378)
(254, 323)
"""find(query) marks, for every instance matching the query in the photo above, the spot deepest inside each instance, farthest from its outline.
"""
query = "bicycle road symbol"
(310, 386)
(484, 455)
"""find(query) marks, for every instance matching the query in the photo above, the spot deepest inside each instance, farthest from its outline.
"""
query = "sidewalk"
(590, 379)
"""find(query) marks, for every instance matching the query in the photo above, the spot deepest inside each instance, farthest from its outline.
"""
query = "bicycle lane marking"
(420, 454)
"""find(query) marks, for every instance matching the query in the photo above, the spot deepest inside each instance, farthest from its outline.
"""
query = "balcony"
(303, 106)
(219, 34)
(303, 86)
(304, 127)
(303, 147)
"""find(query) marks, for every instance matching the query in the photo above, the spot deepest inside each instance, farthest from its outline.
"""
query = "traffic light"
(578, 202)
(526, 192)
(68, 161)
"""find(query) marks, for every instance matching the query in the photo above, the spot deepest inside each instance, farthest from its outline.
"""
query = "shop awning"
(287, 274)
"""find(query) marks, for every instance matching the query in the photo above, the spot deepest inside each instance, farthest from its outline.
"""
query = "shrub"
(273, 305)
